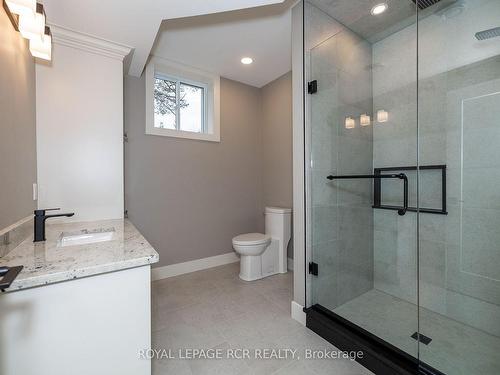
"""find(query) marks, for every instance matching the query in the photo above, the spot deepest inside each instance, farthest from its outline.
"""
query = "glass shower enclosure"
(402, 129)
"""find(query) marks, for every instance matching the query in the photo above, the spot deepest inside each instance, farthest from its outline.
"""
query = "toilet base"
(242, 277)
(250, 267)
(255, 267)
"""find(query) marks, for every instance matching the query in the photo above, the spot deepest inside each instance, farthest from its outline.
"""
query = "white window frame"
(181, 80)
(170, 70)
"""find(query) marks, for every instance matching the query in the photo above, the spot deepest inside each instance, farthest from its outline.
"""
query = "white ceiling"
(217, 42)
(134, 23)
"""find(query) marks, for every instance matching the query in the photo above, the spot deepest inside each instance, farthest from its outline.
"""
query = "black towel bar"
(400, 176)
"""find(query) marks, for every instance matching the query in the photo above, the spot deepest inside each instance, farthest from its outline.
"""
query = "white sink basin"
(86, 236)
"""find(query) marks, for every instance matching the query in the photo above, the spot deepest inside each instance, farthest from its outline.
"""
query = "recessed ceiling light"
(379, 9)
(246, 60)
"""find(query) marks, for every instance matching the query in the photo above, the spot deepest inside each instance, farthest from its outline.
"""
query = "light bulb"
(379, 9)
(350, 123)
(42, 47)
(22, 6)
(382, 115)
(364, 120)
(32, 25)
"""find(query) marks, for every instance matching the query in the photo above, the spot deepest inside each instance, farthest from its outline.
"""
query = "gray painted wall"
(277, 141)
(17, 125)
(190, 198)
(277, 144)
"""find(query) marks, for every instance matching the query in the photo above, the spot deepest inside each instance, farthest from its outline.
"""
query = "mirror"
(17, 128)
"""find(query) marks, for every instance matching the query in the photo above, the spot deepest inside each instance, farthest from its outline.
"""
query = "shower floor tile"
(455, 348)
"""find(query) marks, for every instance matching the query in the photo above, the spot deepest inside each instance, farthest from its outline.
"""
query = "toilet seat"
(263, 255)
(251, 239)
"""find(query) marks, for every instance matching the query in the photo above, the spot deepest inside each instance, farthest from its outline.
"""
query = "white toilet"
(263, 255)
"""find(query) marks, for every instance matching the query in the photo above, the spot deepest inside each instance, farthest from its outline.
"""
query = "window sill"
(183, 134)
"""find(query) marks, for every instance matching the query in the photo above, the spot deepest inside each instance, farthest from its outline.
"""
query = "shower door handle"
(400, 176)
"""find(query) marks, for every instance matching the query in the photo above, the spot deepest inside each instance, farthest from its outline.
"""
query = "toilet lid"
(251, 239)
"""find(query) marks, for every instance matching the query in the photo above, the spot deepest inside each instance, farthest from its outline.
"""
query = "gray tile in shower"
(325, 224)
(455, 348)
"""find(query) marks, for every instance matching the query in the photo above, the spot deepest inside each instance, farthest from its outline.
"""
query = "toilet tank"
(279, 226)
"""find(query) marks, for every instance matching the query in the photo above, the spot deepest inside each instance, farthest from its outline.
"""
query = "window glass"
(191, 105)
(165, 104)
(184, 102)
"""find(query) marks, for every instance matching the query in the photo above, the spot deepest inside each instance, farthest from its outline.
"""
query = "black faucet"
(40, 218)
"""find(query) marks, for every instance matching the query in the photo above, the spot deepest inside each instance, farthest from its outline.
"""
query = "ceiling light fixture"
(379, 9)
(246, 60)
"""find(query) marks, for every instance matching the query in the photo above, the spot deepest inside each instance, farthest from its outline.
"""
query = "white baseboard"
(298, 313)
(289, 264)
(171, 270)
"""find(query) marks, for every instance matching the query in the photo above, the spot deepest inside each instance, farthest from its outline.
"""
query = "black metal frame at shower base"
(379, 356)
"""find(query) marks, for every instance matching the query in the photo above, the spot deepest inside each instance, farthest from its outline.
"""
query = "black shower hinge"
(313, 268)
(312, 87)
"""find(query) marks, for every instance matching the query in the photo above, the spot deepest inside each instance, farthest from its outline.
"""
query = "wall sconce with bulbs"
(350, 123)
(28, 17)
(364, 120)
(382, 115)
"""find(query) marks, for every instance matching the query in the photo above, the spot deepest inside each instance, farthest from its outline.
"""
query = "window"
(179, 105)
(182, 102)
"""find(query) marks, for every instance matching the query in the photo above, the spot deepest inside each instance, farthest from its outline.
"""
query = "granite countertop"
(48, 262)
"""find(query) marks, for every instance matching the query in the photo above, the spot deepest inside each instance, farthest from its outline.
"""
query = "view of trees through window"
(186, 113)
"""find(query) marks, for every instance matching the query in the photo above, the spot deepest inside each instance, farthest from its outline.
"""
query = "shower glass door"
(411, 90)
(459, 126)
(361, 126)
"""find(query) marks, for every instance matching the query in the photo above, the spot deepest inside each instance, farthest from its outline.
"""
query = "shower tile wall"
(459, 109)
(342, 220)
(395, 145)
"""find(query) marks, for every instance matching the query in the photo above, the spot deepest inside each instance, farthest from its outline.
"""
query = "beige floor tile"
(295, 368)
(170, 366)
(215, 309)
(218, 366)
